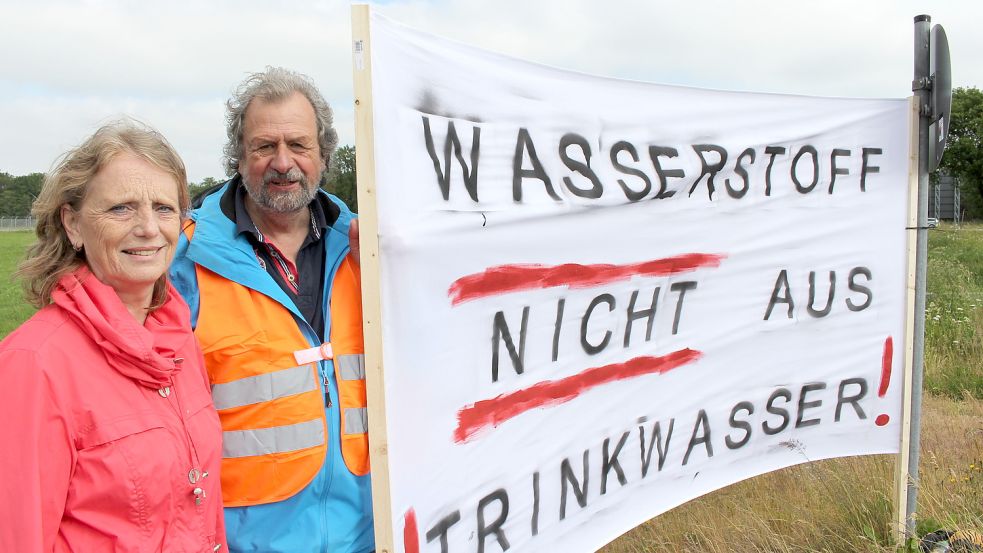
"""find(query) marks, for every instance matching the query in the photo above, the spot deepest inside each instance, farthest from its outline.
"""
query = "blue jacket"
(333, 514)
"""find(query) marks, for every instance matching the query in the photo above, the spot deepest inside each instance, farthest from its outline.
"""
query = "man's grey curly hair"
(276, 83)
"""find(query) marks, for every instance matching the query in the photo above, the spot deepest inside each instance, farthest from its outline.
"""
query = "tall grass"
(845, 505)
(954, 313)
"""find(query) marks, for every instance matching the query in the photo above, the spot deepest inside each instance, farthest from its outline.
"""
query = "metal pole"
(922, 89)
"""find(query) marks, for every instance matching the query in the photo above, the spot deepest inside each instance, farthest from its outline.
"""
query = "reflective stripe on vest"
(356, 420)
(351, 367)
(278, 439)
(264, 387)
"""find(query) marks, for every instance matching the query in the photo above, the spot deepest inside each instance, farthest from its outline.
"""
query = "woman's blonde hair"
(52, 256)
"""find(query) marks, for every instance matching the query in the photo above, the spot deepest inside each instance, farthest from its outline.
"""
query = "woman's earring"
(77, 247)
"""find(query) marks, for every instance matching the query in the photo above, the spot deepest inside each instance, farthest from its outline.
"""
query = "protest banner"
(594, 300)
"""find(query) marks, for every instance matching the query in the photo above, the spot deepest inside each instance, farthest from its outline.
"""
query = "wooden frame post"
(371, 304)
(904, 457)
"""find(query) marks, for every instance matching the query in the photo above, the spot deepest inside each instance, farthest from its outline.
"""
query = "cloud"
(68, 66)
(76, 65)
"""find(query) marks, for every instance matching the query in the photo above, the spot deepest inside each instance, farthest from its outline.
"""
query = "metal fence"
(946, 200)
(17, 223)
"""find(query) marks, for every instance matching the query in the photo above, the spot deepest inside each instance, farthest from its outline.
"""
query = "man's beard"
(267, 197)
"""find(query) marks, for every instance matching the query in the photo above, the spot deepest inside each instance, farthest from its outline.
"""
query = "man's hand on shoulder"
(353, 241)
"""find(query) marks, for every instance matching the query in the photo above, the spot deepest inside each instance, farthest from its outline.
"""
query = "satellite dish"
(939, 69)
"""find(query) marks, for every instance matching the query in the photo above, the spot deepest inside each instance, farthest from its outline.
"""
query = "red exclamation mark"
(886, 360)
(411, 543)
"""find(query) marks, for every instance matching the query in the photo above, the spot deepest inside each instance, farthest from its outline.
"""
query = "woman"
(109, 438)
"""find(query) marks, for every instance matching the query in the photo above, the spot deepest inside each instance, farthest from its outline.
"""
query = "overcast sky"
(67, 67)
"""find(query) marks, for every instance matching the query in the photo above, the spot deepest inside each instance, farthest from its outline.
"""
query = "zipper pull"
(327, 392)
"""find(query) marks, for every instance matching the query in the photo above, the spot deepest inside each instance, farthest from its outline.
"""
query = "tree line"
(17, 193)
(963, 159)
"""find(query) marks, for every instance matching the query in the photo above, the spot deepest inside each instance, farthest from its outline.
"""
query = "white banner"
(604, 298)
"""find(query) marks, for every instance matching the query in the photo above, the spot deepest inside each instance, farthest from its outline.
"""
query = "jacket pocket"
(125, 476)
(114, 429)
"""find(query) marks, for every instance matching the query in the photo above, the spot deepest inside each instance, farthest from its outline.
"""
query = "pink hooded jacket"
(104, 424)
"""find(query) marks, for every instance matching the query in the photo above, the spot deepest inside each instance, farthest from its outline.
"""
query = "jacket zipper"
(329, 458)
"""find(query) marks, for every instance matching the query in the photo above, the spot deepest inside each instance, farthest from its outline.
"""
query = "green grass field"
(954, 312)
(13, 309)
(839, 505)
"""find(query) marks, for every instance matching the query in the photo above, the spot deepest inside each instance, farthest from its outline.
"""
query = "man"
(265, 263)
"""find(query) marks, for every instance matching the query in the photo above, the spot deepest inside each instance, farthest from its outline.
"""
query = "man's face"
(281, 165)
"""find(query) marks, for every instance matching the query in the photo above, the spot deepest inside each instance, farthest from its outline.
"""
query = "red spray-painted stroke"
(411, 543)
(886, 359)
(493, 412)
(513, 278)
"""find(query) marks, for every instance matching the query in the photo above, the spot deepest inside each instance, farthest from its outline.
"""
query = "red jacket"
(102, 422)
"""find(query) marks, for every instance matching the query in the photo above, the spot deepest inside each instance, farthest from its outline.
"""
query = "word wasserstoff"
(653, 171)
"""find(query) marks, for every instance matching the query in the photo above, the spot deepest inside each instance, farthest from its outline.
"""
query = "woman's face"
(128, 224)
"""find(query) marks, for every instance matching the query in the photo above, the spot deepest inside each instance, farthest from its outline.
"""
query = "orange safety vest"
(264, 377)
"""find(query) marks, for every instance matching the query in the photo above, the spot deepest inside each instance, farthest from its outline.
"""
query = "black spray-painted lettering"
(706, 168)
(524, 147)
(782, 393)
(596, 189)
(740, 425)
(782, 293)
(742, 172)
(810, 307)
(655, 152)
(560, 305)
(610, 461)
(589, 348)
(500, 330)
(642, 314)
(440, 529)
(800, 421)
(485, 529)
(492, 512)
(632, 195)
(781, 285)
(655, 442)
(833, 169)
(682, 288)
(855, 287)
(865, 167)
(772, 151)
(452, 142)
(815, 169)
(576, 152)
(702, 422)
(853, 400)
(567, 477)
